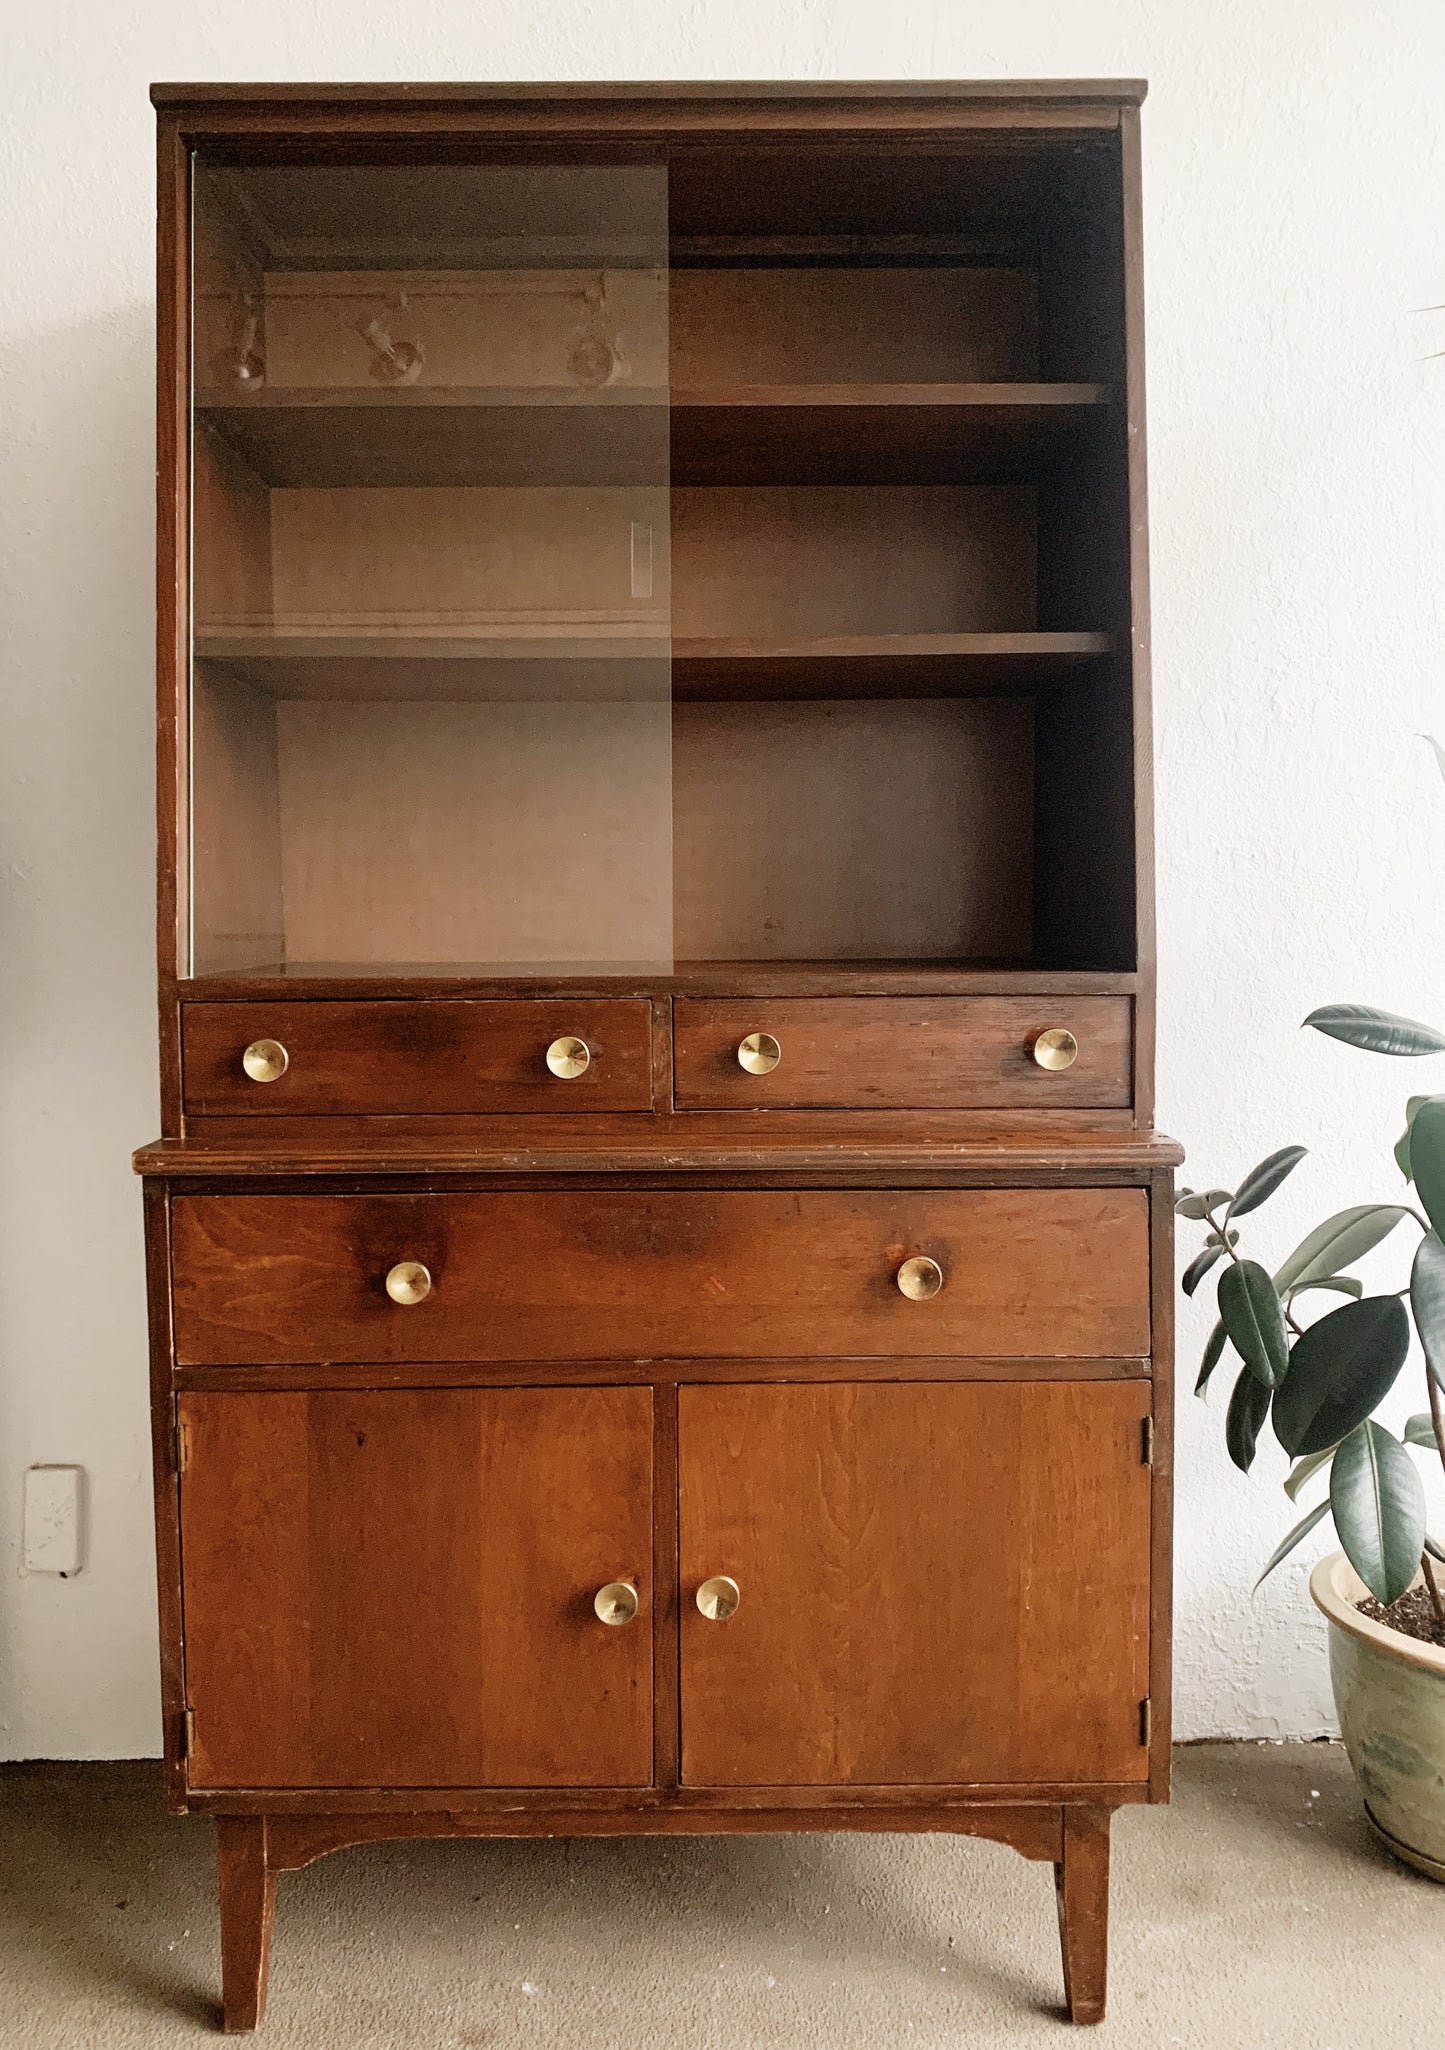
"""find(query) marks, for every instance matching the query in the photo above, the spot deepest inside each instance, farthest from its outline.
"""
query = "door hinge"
(180, 1445)
(188, 1732)
(1147, 1441)
(1146, 1722)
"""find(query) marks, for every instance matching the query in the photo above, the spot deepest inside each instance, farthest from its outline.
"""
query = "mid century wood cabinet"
(658, 1254)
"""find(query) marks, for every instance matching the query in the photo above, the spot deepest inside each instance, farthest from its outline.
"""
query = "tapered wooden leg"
(1082, 1882)
(248, 1914)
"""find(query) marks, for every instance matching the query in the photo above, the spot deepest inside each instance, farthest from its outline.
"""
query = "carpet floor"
(1256, 1910)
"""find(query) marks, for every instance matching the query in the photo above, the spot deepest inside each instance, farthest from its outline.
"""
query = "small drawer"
(735, 1273)
(903, 1053)
(413, 1059)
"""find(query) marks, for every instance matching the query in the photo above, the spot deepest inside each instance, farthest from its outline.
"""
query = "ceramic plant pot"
(1390, 1699)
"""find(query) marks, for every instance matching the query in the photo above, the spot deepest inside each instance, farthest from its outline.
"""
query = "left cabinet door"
(396, 1587)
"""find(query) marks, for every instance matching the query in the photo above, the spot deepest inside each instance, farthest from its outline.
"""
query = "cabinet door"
(395, 1588)
(939, 1583)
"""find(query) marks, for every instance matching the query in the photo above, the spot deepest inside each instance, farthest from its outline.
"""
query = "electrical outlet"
(54, 1497)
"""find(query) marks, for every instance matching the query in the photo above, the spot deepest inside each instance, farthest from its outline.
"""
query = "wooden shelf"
(326, 437)
(930, 665)
(876, 433)
(365, 980)
(632, 666)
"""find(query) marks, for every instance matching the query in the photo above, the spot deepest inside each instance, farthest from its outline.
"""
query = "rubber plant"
(1318, 1379)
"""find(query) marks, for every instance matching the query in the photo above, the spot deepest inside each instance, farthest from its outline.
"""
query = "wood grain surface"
(604, 1274)
(938, 1583)
(931, 1053)
(407, 1059)
(395, 1588)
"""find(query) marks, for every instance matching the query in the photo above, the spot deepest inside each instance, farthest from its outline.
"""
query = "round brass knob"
(569, 1058)
(1055, 1049)
(265, 1060)
(718, 1598)
(759, 1053)
(919, 1278)
(408, 1282)
(616, 1603)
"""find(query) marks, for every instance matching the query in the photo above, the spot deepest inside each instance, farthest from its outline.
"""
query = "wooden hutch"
(659, 1261)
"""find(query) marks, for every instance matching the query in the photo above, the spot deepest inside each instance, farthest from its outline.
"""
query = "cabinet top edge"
(1113, 92)
(1084, 1154)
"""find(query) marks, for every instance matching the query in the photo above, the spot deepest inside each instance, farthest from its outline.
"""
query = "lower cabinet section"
(396, 1588)
(881, 1584)
(936, 1583)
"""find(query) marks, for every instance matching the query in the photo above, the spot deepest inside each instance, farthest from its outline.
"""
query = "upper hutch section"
(618, 544)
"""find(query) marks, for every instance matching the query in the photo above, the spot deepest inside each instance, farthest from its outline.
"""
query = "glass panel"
(431, 678)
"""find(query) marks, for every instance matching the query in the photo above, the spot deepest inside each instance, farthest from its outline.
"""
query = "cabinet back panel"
(231, 519)
(235, 830)
(476, 832)
(455, 558)
(845, 559)
(853, 830)
(854, 326)
(538, 330)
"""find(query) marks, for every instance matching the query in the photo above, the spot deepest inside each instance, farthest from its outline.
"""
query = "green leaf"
(1427, 1300)
(1302, 1470)
(1339, 1372)
(1199, 1206)
(1262, 1181)
(1420, 1430)
(1254, 1318)
(1338, 1243)
(1402, 1144)
(1427, 1160)
(1286, 1545)
(1379, 1505)
(1248, 1408)
(1376, 1031)
(1199, 1266)
(1337, 1284)
(1434, 1548)
(1213, 1354)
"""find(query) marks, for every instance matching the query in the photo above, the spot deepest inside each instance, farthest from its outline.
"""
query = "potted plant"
(1318, 1373)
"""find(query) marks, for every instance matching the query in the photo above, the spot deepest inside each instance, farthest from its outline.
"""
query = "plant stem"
(1437, 1418)
(1437, 1411)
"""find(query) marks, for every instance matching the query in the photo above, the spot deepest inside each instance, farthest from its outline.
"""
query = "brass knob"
(616, 1603)
(1056, 1049)
(919, 1278)
(408, 1282)
(718, 1598)
(759, 1053)
(569, 1058)
(265, 1060)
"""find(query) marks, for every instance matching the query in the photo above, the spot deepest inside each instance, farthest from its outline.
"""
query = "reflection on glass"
(430, 697)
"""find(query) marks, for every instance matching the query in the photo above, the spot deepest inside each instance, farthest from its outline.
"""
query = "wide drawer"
(412, 1058)
(751, 1273)
(896, 1053)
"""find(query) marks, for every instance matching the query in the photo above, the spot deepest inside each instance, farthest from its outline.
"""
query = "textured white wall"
(1294, 175)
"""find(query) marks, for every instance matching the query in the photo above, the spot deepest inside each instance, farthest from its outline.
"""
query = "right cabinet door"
(937, 1583)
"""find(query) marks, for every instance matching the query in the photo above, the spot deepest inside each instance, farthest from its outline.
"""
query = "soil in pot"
(1413, 1615)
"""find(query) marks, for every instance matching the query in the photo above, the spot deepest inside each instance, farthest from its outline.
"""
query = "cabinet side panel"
(1139, 615)
(172, 598)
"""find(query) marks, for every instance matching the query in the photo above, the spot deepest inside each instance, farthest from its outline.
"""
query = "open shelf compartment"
(629, 566)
